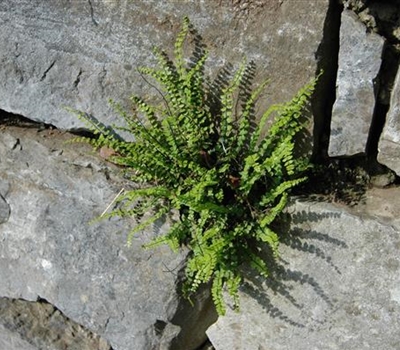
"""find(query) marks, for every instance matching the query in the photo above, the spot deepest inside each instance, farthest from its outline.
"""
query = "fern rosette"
(200, 152)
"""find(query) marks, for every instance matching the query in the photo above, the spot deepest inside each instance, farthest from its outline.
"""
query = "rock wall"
(335, 287)
(44, 326)
(50, 192)
(389, 143)
(359, 63)
(364, 117)
(81, 53)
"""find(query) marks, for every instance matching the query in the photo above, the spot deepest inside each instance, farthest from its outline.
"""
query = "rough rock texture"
(382, 204)
(45, 327)
(10, 340)
(4, 209)
(48, 250)
(384, 18)
(337, 286)
(80, 53)
(389, 143)
(381, 16)
(359, 62)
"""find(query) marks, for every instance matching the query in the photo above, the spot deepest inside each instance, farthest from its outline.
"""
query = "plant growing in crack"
(200, 153)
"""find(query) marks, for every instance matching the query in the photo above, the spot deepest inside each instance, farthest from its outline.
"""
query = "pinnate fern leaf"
(197, 152)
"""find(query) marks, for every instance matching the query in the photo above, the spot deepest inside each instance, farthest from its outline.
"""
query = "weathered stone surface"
(337, 286)
(379, 16)
(389, 143)
(4, 210)
(44, 327)
(48, 250)
(7, 142)
(382, 204)
(12, 341)
(359, 62)
(80, 53)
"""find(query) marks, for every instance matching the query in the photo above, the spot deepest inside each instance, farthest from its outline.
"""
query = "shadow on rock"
(293, 284)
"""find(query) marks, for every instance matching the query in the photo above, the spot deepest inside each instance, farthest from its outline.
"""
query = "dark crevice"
(207, 345)
(324, 97)
(10, 119)
(193, 317)
(78, 78)
(382, 17)
(15, 120)
(159, 327)
(346, 179)
(384, 85)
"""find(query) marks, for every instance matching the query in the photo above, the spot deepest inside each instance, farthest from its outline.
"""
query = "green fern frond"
(173, 238)
(274, 211)
(145, 224)
(179, 56)
(266, 235)
(233, 284)
(196, 153)
(258, 264)
(217, 293)
(228, 121)
(244, 123)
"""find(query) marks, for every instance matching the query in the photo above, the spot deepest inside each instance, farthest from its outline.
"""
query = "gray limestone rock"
(389, 143)
(81, 53)
(380, 17)
(336, 286)
(4, 210)
(44, 327)
(359, 62)
(10, 340)
(48, 249)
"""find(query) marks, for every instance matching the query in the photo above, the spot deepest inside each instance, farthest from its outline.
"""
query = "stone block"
(389, 143)
(49, 250)
(81, 53)
(336, 286)
(359, 63)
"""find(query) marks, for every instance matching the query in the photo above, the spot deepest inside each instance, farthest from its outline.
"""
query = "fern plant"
(200, 153)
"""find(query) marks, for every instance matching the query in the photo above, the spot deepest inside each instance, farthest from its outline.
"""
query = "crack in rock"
(101, 79)
(5, 210)
(77, 79)
(44, 75)
(92, 13)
